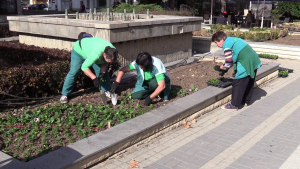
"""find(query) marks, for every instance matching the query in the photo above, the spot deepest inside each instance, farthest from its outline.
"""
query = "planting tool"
(103, 96)
(114, 97)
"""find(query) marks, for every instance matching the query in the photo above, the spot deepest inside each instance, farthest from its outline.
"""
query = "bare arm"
(121, 73)
(89, 73)
(159, 89)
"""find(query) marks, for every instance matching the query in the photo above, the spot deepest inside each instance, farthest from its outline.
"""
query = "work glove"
(148, 101)
(97, 82)
(114, 86)
(221, 71)
(101, 75)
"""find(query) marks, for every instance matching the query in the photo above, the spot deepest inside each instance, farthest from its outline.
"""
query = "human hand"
(97, 82)
(148, 101)
(114, 87)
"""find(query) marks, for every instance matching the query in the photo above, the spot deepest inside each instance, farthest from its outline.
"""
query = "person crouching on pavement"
(245, 62)
(95, 52)
(152, 78)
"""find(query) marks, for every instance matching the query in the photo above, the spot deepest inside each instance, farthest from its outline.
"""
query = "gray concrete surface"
(263, 135)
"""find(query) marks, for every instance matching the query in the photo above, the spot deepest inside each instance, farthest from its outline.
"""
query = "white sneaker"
(108, 94)
(64, 99)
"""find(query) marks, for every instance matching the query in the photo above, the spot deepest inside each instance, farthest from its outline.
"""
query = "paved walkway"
(264, 135)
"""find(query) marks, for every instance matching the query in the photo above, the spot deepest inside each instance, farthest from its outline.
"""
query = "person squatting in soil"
(245, 62)
(152, 78)
(95, 52)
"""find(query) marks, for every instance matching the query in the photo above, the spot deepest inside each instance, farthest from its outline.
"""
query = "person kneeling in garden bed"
(152, 78)
(87, 52)
(245, 62)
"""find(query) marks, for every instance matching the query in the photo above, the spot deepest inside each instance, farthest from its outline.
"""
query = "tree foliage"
(290, 7)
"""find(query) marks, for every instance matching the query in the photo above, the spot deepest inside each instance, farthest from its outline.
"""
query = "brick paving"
(262, 135)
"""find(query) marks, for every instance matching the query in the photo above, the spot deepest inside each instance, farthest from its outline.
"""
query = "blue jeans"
(76, 62)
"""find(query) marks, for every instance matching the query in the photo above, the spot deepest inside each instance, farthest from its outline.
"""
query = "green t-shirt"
(147, 75)
(91, 50)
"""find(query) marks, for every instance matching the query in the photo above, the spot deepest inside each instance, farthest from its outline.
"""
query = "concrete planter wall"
(167, 37)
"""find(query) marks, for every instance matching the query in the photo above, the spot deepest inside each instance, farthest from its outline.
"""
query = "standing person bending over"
(245, 62)
(152, 78)
(91, 51)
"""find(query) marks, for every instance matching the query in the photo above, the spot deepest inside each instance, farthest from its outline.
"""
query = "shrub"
(33, 71)
(137, 7)
(257, 29)
(269, 56)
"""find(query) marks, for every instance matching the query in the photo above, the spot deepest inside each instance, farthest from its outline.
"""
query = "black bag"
(83, 35)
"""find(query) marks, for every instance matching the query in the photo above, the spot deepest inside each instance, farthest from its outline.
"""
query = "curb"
(93, 149)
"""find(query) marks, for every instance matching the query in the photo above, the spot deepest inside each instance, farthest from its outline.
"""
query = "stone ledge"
(95, 148)
(51, 19)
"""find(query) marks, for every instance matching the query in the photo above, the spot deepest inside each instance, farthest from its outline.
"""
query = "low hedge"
(32, 71)
(246, 35)
(268, 56)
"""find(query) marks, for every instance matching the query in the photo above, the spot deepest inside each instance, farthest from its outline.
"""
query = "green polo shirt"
(91, 50)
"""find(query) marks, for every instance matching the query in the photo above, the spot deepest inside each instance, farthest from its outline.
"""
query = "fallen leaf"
(265, 63)
(190, 69)
(134, 164)
(102, 163)
(193, 75)
(194, 121)
(216, 119)
(186, 125)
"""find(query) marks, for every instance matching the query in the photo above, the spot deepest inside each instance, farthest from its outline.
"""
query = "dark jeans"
(242, 90)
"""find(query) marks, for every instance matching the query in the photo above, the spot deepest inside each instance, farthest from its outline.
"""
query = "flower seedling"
(283, 72)
(213, 81)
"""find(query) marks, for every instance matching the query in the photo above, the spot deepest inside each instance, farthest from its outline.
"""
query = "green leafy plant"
(182, 92)
(269, 56)
(193, 88)
(283, 72)
(213, 81)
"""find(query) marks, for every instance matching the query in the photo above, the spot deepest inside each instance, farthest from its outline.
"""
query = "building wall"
(4, 12)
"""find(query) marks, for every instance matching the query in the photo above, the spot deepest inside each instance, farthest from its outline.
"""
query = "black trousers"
(242, 90)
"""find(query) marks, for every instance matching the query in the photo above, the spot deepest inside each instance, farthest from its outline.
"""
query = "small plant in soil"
(283, 73)
(181, 93)
(213, 81)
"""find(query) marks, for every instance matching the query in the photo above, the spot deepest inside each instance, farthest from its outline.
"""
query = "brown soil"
(288, 40)
(186, 77)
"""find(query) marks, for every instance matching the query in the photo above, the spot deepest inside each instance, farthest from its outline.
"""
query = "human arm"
(228, 59)
(159, 89)
(121, 73)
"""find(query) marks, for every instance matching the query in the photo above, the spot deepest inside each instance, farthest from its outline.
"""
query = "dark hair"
(218, 36)
(144, 59)
(111, 53)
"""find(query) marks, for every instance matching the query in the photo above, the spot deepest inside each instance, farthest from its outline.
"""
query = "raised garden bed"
(30, 132)
(5, 32)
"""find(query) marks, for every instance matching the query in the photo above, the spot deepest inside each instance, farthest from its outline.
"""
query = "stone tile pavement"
(263, 135)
